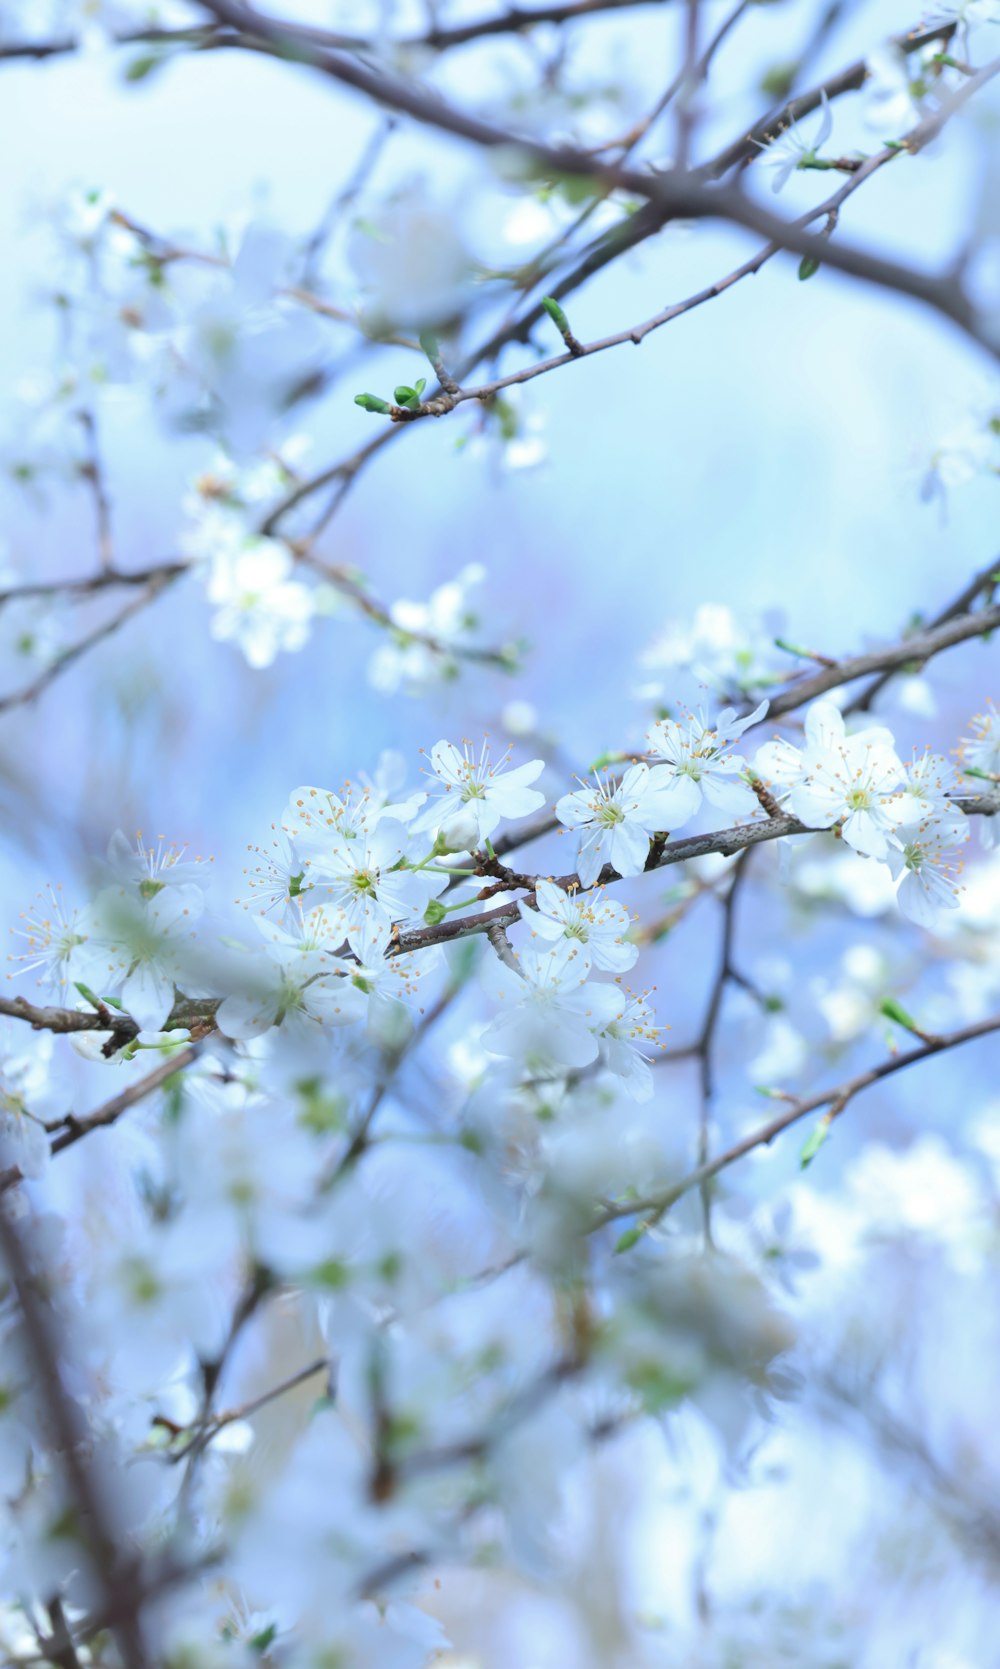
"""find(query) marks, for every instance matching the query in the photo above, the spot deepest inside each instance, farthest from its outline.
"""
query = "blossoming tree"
(419, 1285)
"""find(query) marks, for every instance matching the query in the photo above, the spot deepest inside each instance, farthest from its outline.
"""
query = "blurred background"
(809, 456)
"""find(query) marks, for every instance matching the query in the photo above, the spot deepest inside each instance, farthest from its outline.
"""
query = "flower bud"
(459, 832)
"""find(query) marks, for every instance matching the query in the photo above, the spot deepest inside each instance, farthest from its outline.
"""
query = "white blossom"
(929, 860)
(792, 150)
(597, 925)
(625, 1038)
(617, 820)
(855, 781)
(468, 786)
(550, 1010)
(698, 765)
(257, 605)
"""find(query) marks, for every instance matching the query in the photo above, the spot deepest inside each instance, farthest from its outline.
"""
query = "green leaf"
(895, 1011)
(420, 385)
(556, 314)
(144, 65)
(815, 1141)
(371, 402)
(776, 82)
(630, 1238)
(808, 266)
(435, 912)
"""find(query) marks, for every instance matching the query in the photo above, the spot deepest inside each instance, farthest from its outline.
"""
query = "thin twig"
(653, 1206)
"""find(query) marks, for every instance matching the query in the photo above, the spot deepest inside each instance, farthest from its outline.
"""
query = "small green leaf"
(895, 1011)
(815, 1141)
(144, 65)
(420, 385)
(371, 402)
(808, 266)
(435, 912)
(630, 1238)
(556, 314)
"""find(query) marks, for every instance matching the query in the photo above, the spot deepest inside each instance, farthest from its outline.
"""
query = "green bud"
(139, 68)
(807, 266)
(895, 1011)
(630, 1238)
(371, 402)
(813, 1143)
(406, 396)
(556, 314)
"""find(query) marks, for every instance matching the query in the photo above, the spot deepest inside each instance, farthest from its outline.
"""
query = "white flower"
(981, 750)
(246, 349)
(855, 781)
(630, 1025)
(314, 816)
(594, 923)
(276, 877)
(698, 765)
(467, 786)
(412, 262)
(618, 820)
(446, 620)
(151, 869)
(927, 783)
(551, 1010)
(890, 105)
(300, 980)
(25, 1082)
(969, 11)
(791, 150)
(713, 649)
(146, 945)
(55, 940)
(258, 606)
(929, 861)
(366, 883)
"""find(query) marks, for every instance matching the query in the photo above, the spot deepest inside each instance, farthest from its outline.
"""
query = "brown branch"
(921, 647)
(117, 1574)
(849, 80)
(219, 1422)
(66, 657)
(110, 1111)
(655, 1205)
(674, 194)
(982, 584)
(378, 612)
(87, 584)
(195, 1014)
(92, 472)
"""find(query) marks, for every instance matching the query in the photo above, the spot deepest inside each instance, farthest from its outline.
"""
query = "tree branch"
(655, 1205)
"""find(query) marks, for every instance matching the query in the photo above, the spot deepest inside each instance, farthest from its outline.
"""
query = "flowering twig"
(653, 1206)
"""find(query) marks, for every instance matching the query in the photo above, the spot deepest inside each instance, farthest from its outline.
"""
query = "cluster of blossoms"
(353, 894)
(903, 815)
